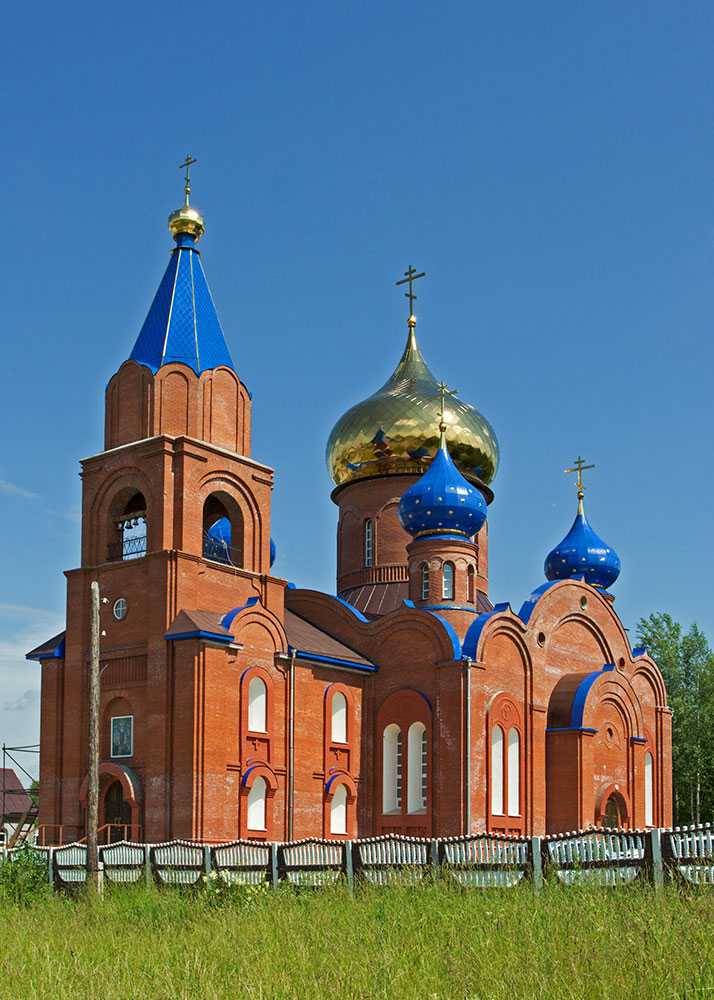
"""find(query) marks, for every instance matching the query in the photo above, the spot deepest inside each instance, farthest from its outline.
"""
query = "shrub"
(23, 877)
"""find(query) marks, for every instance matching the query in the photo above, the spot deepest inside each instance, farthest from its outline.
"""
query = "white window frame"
(391, 769)
(369, 542)
(261, 803)
(416, 765)
(497, 763)
(338, 810)
(649, 788)
(448, 592)
(253, 707)
(424, 581)
(121, 718)
(338, 719)
(514, 771)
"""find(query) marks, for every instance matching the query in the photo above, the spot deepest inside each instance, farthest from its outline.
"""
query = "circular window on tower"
(120, 609)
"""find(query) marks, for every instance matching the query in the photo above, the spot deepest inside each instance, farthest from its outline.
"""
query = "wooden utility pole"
(93, 763)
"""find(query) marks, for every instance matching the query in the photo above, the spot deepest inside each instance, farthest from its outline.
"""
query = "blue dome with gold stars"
(582, 553)
(442, 501)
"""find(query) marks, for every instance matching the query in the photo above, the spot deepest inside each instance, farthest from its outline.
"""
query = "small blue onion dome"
(582, 553)
(442, 502)
(273, 551)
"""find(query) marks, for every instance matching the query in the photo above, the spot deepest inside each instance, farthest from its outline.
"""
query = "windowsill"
(343, 745)
(392, 812)
(417, 812)
(257, 732)
(121, 756)
(262, 829)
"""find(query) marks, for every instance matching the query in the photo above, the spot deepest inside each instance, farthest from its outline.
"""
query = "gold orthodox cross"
(410, 276)
(186, 165)
(444, 391)
(579, 466)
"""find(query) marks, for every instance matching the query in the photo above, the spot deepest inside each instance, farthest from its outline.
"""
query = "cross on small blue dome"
(582, 553)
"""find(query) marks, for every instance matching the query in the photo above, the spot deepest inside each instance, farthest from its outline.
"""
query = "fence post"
(653, 854)
(147, 866)
(535, 848)
(206, 860)
(274, 874)
(434, 858)
(347, 864)
(50, 873)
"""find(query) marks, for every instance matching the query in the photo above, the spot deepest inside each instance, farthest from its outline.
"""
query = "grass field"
(430, 941)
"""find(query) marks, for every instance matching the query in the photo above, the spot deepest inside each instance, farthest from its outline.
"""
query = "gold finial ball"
(412, 321)
(187, 221)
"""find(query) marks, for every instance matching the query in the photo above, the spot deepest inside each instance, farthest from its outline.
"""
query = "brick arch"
(114, 493)
(253, 770)
(175, 400)
(402, 708)
(253, 617)
(649, 671)
(221, 481)
(132, 790)
(332, 783)
(612, 789)
(221, 415)
(506, 712)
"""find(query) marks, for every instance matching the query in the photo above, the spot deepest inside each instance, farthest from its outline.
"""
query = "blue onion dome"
(582, 553)
(273, 551)
(442, 501)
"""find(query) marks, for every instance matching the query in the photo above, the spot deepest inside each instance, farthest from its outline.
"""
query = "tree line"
(687, 663)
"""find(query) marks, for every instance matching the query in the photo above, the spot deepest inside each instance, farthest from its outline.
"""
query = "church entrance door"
(117, 813)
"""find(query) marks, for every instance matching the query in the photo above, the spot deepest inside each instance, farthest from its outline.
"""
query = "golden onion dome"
(395, 431)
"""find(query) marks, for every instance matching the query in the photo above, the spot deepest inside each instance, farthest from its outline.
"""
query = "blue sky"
(551, 167)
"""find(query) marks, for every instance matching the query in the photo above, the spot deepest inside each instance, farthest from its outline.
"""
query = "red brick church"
(236, 704)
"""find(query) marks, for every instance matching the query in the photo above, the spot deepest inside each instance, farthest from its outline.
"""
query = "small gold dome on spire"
(187, 220)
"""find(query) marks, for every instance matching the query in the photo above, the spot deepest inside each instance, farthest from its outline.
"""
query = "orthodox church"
(235, 704)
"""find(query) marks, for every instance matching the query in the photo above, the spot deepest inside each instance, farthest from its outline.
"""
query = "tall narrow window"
(424, 581)
(338, 810)
(497, 771)
(131, 526)
(416, 768)
(256, 804)
(392, 769)
(257, 706)
(649, 789)
(339, 718)
(447, 590)
(223, 530)
(471, 585)
(369, 542)
(514, 773)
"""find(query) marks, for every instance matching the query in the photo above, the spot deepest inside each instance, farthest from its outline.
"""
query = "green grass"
(399, 942)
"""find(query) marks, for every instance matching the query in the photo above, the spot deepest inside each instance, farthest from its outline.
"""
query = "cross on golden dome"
(186, 165)
(410, 276)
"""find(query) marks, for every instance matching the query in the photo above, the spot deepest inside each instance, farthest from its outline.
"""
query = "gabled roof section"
(182, 325)
(198, 625)
(17, 801)
(52, 649)
(310, 643)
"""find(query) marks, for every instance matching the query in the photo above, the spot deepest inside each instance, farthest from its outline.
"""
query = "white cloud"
(27, 700)
(18, 491)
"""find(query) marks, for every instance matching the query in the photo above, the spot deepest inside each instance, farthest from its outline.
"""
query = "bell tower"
(176, 530)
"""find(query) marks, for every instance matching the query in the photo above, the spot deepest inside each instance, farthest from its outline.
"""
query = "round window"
(120, 609)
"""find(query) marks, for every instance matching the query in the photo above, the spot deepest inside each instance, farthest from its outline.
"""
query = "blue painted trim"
(577, 709)
(200, 634)
(571, 729)
(639, 651)
(358, 614)
(227, 619)
(457, 536)
(408, 603)
(449, 607)
(335, 661)
(244, 779)
(530, 602)
(472, 637)
(638, 739)
(451, 632)
(55, 654)
(292, 586)
(333, 778)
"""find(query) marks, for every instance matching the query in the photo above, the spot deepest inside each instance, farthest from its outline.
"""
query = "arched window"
(416, 768)
(447, 590)
(392, 769)
(338, 810)
(222, 530)
(257, 706)
(131, 529)
(338, 722)
(649, 789)
(514, 773)
(471, 585)
(424, 570)
(497, 771)
(369, 542)
(256, 804)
